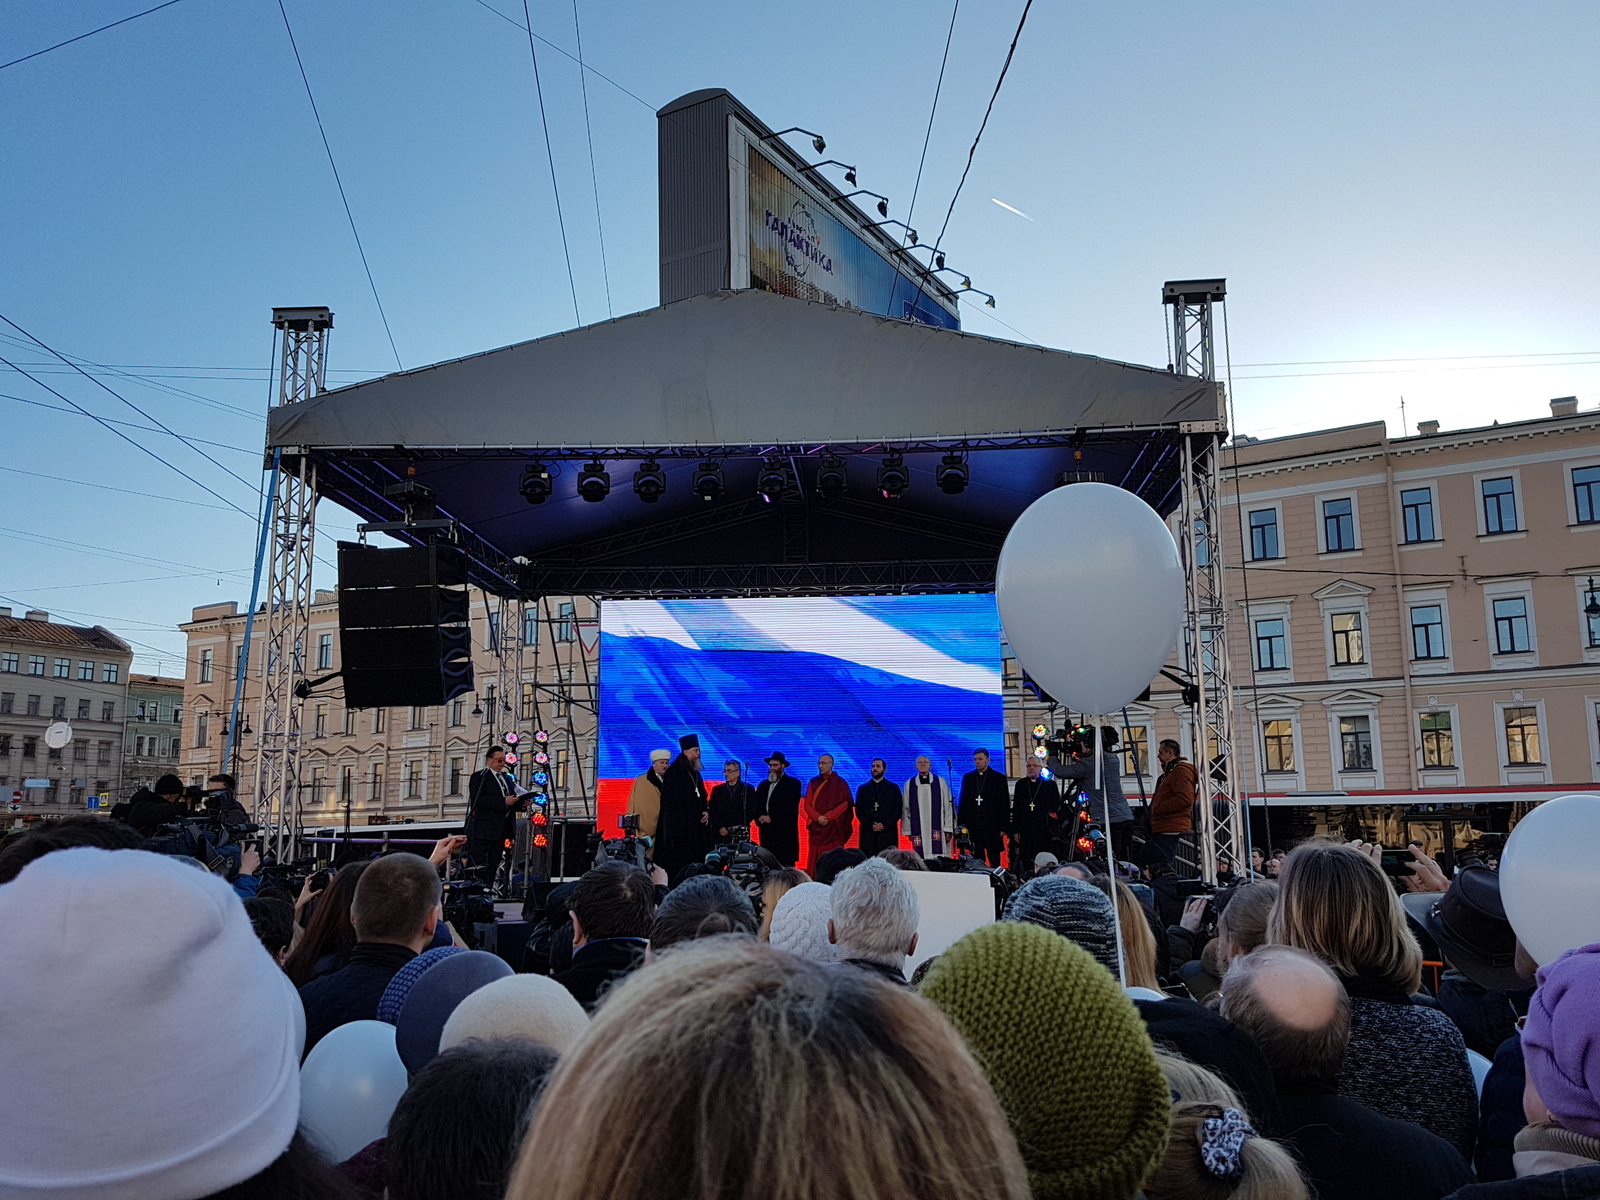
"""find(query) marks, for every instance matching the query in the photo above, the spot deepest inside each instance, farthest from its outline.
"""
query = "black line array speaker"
(405, 633)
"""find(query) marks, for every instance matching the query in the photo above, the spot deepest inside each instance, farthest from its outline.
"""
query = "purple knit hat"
(1561, 1039)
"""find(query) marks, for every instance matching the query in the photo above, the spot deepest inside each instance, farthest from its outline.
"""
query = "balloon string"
(1111, 852)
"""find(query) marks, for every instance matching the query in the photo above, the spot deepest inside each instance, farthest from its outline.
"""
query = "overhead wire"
(80, 412)
(91, 33)
(932, 111)
(108, 488)
(550, 153)
(594, 178)
(105, 552)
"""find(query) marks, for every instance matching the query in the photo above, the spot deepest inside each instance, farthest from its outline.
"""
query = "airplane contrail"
(1008, 208)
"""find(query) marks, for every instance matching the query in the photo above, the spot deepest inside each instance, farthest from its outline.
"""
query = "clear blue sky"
(1376, 181)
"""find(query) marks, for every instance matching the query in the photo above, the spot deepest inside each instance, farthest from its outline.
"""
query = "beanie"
(150, 1040)
(800, 923)
(406, 977)
(1066, 1053)
(434, 997)
(168, 785)
(528, 1008)
(1078, 911)
(1561, 1039)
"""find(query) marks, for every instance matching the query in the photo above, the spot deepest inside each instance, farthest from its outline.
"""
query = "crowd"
(1114, 1034)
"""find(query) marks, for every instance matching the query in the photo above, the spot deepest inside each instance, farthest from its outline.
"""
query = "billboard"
(799, 248)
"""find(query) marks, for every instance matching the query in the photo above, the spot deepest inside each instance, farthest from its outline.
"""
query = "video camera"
(630, 848)
(466, 904)
(1071, 743)
(745, 864)
(214, 844)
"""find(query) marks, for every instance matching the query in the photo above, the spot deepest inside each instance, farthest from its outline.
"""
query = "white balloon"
(1090, 591)
(1550, 879)
(349, 1086)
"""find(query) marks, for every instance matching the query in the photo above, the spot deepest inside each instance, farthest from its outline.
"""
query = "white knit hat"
(531, 1008)
(800, 922)
(150, 1041)
(661, 756)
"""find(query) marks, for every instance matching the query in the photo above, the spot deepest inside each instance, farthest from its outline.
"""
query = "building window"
(54, 754)
(110, 673)
(566, 621)
(530, 702)
(85, 671)
(83, 710)
(1338, 526)
(349, 728)
(1499, 506)
(177, 714)
(108, 711)
(33, 705)
(378, 719)
(494, 632)
(319, 721)
(30, 747)
(411, 779)
(1522, 735)
(1355, 743)
(1427, 631)
(559, 776)
(1591, 621)
(324, 651)
(35, 664)
(347, 784)
(457, 770)
(1272, 646)
(202, 731)
(458, 712)
(103, 752)
(318, 784)
(80, 751)
(1417, 506)
(1264, 534)
(63, 668)
(7, 701)
(138, 747)
(1586, 494)
(1277, 738)
(530, 626)
(1347, 647)
(9, 663)
(419, 717)
(206, 659)
(1511, 626)
(58, 708)
(5, 745)
(1136, 750)
(563, 697)
(375, 782)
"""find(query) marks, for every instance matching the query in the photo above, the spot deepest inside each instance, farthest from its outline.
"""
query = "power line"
(79, 412)
(559, 50)
(91, 33)
(594, 180)
(550, 153)
(937, 88)
(345, 200)
(103, 552)
(107, 488)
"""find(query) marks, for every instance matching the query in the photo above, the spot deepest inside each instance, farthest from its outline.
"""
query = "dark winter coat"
(682, 837)
(1220, 1046)
(1500, 1115)
(1035, 803)
(730, 810)
(984, 804)
(781, 802)
(352, 992)
(147, 812)
(597, 965)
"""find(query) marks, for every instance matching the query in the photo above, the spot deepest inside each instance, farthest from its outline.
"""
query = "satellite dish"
(58, 735)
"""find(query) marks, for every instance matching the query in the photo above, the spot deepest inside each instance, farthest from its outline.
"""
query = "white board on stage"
(953, 905)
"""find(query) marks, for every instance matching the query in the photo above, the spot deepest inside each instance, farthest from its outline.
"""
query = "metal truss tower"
(302, 371)
(1224, 827)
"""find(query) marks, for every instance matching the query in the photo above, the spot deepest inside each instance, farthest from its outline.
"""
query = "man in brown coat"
(1172, 807)
(645, 799)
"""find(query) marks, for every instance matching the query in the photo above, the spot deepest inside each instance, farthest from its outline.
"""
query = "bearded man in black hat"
(684, 831)
(775, 808)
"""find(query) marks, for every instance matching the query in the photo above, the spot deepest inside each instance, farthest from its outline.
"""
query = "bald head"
(1293, 1006)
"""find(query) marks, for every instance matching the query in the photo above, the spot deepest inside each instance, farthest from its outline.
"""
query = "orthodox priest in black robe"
(684, 831)
(775, 809)
(1035, 813)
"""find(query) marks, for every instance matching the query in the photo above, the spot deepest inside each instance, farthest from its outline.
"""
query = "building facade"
(153, 731)
(390, 764)
(51, 674)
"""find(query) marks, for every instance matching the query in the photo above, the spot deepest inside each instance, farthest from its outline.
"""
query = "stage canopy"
(750, 381)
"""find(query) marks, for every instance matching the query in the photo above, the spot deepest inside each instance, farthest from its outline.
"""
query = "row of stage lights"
(650, 481)
(1090, 837)
(540, 778)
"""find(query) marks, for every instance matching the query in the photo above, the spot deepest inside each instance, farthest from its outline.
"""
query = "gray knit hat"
(1078, 911)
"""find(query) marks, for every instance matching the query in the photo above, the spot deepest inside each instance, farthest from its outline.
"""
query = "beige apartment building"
(392, 764)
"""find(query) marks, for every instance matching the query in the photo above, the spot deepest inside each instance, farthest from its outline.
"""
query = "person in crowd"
(1258, 861)
(875, 914)
(222, 800)
(394, 996)
(1067, 1055)
(903, 860)
(1295, 1008)
(836, 861)
(1406, 1060)
(493, 799)
(175, 949)
(20, 849)
(1242, 921)
(776, 810)
(879, 806)
(1171, 810)
(1226, 875)
(984, 808)
(524, 1008)
(152, 807)
(827, 811)
(731, 802)
(1241, 918)
(644, 801)
(613, 907)
(1163, 881)
(454, 1134)
(1138, 940)
(848, 1089)
(1035, 808)
(701, 907)
(1081, 767)
(1274, 863)
(435, 995)
(273, 921)
(1214, 1151)
(778, 883)
(329, 934)
(930, 818)
(394, 912)
(1071, 907)
(685, 826)
(800, 923)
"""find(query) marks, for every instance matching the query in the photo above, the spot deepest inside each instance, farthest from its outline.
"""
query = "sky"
(1403, 199)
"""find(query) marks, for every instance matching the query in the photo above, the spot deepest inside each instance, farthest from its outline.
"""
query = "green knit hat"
(1067, 1054)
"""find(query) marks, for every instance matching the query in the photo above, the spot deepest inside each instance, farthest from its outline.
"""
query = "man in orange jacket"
(1172, 806)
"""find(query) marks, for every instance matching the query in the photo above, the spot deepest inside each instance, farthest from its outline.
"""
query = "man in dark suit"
(731, 802)
(878, 808)
(685, 827)
(776, 809)
(984, 807)
(492, 803)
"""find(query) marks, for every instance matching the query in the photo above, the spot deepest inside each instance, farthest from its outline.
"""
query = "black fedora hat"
(1469, 924)
(776, 757)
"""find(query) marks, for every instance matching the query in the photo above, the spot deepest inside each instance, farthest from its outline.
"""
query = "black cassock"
(1035, 804)
(730, 810)
(781, 802)
(878, 802)
(681, 836)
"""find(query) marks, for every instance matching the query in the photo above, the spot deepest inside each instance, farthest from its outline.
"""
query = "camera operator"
(878, 808)
(731, 804)
(222, 802)
(1081, 767)
(151, 808)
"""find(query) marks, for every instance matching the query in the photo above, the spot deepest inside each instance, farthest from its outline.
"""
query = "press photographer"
(1078, 765)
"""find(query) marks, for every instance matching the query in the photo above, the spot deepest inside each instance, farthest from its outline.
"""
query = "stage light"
(1046, 773)
(540, 840)
(817, 143)
(510, 739)
(1041, 753)
(850, 177)
(938, 260)
(831, 478)
(910, 232)
(540, 800)
(512, 759)
(541, 758)
(893, 477)
(883, 208)
(708, 480)
(1041, 731)
(650, 482)
(536, 484)
(772, 480)
(540, 818)
(541, 778)
(594, 482)
(952, 475)
(540, 736)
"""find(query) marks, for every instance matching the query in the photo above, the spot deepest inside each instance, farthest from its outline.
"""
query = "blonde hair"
(778, 882)
(1138, 943)
(1242, 923)
(1336, 902)
(731, 1071)
(1267, 1170)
